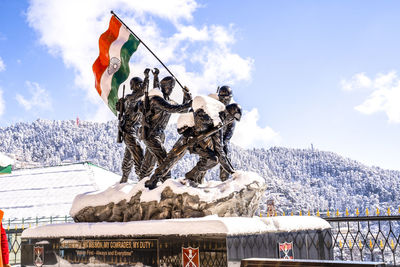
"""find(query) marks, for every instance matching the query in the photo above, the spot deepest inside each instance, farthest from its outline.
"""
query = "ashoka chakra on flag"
(111, 68)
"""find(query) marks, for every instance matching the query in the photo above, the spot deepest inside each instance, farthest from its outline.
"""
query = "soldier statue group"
(144, 116)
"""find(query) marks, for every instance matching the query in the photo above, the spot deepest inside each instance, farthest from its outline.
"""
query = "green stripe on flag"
(122, 74)
(6, 169)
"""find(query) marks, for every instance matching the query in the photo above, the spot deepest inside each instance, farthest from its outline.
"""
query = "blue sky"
(306, 72)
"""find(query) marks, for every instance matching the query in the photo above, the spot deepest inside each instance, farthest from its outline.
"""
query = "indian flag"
(111, 68)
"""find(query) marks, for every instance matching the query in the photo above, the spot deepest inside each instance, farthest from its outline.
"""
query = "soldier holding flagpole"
(111, 69)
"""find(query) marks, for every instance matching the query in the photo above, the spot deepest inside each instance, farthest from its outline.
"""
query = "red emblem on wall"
(190, 257)
(38, 255)
(286, 250)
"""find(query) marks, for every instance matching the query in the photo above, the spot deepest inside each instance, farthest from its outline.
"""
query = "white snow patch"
(194, 226)
(5, 160)
(214, 95)
(207, 192)
(156, 92)
(50, 191)
(296, 223)
(185, 120)
(210, 106)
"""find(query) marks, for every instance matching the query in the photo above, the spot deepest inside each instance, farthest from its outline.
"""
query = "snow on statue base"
(238, 196)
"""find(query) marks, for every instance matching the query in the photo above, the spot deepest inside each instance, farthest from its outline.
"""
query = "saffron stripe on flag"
(105, 41)
(114, 52)
(122, 74)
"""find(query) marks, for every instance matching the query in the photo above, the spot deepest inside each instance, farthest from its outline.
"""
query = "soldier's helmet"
(234, 110)
(136, 82)
(167, 84)
(225, 94)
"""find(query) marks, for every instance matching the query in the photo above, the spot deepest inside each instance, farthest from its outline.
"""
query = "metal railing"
(15, 227)
(357, 238)
(366, 238)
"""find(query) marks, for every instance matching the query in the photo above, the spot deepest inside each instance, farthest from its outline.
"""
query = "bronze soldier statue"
(225, 97)
(203, 139)
(157, 111)
(211, 150)
(130, 125)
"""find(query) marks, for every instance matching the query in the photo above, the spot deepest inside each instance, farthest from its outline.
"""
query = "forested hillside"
(297, 178)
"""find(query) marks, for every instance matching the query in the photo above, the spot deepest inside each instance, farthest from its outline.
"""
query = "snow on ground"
(5, 160)
(194, 226)
(207, 191)
(49, 191)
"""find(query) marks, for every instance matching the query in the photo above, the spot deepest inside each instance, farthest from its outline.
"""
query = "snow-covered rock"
(238, 196)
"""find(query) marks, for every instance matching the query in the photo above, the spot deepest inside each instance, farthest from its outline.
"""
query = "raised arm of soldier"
(156, 82)
(146, 79)
(168, 105)
(187, 96)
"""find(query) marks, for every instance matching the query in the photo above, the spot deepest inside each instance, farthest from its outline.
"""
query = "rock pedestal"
(238, 196)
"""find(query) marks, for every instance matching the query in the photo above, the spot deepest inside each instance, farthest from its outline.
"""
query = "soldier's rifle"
(145, 124)
(226, 164)
(121, 116)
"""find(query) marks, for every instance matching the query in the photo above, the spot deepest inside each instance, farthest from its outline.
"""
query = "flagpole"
(137, 37)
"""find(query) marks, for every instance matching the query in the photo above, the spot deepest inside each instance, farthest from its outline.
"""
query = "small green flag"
(6, 169)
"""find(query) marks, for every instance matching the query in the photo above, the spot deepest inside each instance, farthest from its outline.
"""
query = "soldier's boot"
(124, 179)
(152, 183)
(194, 176)
(223, 175)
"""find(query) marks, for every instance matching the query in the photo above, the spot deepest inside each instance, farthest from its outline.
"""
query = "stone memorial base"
(238, 196)
(209, 241)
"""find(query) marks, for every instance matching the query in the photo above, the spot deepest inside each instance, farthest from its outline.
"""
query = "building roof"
(5, 160)
(50, 191)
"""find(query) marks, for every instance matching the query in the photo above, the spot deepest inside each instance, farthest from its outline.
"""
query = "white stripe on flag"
(115, 51)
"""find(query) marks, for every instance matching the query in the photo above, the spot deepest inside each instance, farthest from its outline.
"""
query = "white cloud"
(248, 134)
(2, 103)
(200, 57)
(2, 65)
(385, 96)
(40, 98)
(358, 81)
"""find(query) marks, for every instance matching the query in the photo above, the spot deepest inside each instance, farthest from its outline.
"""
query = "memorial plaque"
(110, 251)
